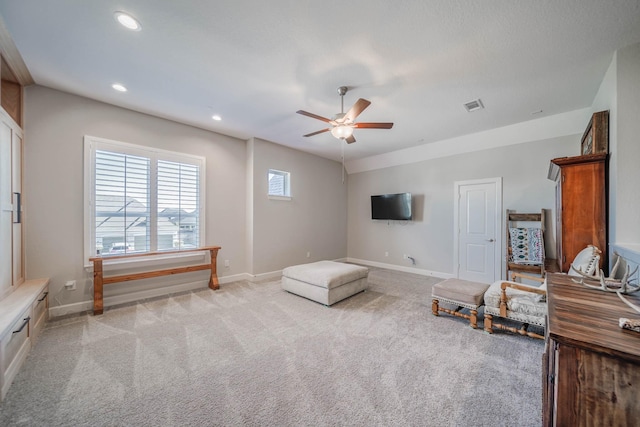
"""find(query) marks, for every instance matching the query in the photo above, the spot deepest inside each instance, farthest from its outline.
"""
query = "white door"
(478, 226)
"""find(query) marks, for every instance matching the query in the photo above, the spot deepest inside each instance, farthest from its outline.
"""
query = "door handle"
(490, 240)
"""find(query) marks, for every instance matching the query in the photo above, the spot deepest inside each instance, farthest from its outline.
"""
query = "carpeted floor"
(252, 354)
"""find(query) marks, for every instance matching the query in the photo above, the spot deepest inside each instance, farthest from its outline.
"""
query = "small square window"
(279, 183)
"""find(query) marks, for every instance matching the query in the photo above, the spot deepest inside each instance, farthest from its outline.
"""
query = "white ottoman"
(326, 282)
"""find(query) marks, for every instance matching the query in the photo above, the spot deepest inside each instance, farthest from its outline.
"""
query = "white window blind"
(279, 183)
(140, 199)
(122, 214)
(178, 202)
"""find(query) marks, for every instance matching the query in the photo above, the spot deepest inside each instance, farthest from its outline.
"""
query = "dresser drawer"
(14, 348)
(39, 313)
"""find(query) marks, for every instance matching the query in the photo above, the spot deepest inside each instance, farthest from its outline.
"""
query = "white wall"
(55, 123)
(429, 237)
(314, 220)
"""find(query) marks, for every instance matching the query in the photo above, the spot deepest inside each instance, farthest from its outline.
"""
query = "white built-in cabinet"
(11, 248)
(24, 304)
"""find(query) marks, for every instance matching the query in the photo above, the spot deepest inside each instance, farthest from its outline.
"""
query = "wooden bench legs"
(473, 317)
(489, 324)
(213, 278)
(98, 303)
(99, 280)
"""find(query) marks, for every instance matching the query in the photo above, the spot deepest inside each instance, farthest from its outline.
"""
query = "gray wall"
(429, 237)
(257, 235)
(627, 161)
(314, 220)
(260, 235)
(55, 123)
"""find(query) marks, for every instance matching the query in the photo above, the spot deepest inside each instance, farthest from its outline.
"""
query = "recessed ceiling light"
(119, 87)
(128, 21)
(216, 117)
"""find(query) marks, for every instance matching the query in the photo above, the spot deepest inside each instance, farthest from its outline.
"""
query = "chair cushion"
(518, 301)
(463, 291)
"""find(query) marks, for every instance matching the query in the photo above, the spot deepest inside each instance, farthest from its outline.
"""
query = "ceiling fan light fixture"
(127, 21)
(342, 131)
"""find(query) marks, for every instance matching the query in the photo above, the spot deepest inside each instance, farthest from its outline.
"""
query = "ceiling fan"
(343, 124)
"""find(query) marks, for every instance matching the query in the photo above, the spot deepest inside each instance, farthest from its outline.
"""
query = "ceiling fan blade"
(357, 108)
(374, 125)
(315, 133)
(350, 140)
(313, 116)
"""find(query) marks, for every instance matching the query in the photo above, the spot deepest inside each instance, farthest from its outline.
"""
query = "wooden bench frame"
(99, 280)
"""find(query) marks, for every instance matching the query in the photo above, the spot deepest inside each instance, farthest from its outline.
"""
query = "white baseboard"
(152, 293)
(265, 276)
(234, 278)
(276, 274)
(79, 307)
(63, 310)
(402, 268)
(83, 306)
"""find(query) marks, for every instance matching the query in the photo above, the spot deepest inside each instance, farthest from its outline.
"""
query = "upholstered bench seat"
(326, 282)
(515, 301)
(460, 293)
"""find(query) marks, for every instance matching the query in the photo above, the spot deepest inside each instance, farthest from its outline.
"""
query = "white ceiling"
(256, 62)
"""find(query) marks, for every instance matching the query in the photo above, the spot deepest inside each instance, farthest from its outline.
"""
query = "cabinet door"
(16, 181)
(6, 278)
(14, 347)
(583, 210)
(39, 313)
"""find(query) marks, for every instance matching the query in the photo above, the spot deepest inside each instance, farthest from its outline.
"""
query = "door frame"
(498, 248)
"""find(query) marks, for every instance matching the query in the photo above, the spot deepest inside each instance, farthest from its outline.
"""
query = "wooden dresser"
(591, 367)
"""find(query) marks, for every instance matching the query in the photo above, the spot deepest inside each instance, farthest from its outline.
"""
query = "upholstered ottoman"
(326, 282)
(461, 293)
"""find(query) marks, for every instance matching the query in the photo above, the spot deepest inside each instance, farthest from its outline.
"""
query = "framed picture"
(596, 137)
(587, 142)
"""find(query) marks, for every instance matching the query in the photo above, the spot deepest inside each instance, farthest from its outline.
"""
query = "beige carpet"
(252, 354)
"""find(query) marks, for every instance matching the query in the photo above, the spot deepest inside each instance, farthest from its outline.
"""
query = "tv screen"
(391, 206)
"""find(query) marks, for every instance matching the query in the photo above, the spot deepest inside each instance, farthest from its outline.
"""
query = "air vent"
(474, 105)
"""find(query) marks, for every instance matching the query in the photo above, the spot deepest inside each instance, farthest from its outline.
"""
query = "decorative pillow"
(587, 261)
(526, 245)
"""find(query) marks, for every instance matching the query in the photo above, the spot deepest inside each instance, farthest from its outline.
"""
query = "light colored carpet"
(252, 354)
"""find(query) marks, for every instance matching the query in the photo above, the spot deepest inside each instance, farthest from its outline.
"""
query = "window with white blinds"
(141, 199)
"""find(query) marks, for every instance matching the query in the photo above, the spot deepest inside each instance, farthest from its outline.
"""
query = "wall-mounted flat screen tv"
(391, 206)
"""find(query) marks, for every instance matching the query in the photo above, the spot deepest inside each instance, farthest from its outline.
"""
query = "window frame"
(93, 143)
(287, 185)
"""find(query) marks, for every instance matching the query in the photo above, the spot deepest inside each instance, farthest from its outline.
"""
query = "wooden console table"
(591, 367)
(99, 280)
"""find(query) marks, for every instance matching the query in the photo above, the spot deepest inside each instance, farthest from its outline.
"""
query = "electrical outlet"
(226, 263)
(308, 254)
(70, 285)
(405, 256)
(386, 254)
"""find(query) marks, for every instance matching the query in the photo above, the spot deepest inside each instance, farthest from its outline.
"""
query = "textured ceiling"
(255, 63)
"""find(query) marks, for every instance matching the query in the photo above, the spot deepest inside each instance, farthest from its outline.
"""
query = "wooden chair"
(526, 254)
(516, 303)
